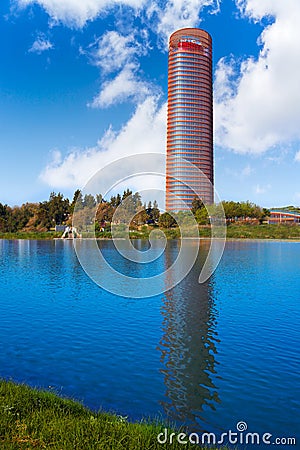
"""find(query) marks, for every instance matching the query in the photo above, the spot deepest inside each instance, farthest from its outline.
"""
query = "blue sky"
(83, 83)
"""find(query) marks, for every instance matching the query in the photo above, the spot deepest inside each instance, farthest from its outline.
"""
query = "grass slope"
(234, 231)
(242, 231)
(31, 235)
(33, 419)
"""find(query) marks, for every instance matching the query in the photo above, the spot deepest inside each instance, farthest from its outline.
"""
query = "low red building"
(281, 216)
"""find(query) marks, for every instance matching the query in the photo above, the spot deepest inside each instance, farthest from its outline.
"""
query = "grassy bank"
(234, 231)
(31, 235)
(32, 419)
(265, 231)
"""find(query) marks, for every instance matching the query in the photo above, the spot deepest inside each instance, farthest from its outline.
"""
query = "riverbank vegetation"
(234, 231)
(33, 419)
(94, 214)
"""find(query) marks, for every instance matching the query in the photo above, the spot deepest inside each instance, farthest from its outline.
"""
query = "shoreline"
(185, 238)
(39, 418)
(239, 232)
(200, 238)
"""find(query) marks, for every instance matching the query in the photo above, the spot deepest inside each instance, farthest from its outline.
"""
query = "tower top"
(193, 35)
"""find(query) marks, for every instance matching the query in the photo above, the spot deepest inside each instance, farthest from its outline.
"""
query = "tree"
(264, 214)
(99, 198)
(43, 216)
(130, 206)
(105, 212)
(201, 216)
(113, 201)
(31, 212)
(59, 208)
(155, 211)
(197, 204)
(21, 215)
(118, 199)
(4, 215)
(166, 220)
(77, 200)
(89, 201)
(242, 210)
(55, 211)
(126, 194)
(140, 218)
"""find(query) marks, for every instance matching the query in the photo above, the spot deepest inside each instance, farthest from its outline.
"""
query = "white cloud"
(126, 85)
(176, 14)
(40, 45)
(259, 190)
(226, 82)
(145, 132)
(247, 171)
(114, 50)
(77, 12)
(171, 14)
(261, 107)
(257, 9)
(297, 156)
(241, 175)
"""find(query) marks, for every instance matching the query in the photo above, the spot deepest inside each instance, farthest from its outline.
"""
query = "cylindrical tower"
(190, 118)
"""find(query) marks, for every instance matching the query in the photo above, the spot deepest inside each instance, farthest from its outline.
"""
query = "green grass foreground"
(34, 419)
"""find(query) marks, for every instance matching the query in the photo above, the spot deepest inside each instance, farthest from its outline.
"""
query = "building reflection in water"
(189, 345)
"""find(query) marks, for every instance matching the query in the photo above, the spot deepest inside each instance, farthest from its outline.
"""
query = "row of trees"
(59, 210)
(120, 208)
(35, 216)
(127, 209)
(244, 210)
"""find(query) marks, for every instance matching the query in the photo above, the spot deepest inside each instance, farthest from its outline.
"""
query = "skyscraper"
(190, 118)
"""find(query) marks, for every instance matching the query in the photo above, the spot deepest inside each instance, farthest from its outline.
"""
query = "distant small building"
(280, 216)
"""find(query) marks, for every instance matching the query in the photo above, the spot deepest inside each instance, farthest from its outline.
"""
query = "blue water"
(206, 356)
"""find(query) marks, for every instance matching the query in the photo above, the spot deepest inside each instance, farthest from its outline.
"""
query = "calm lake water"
(207, 356)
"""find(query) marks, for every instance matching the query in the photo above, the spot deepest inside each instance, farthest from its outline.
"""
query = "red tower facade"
(190, 119)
